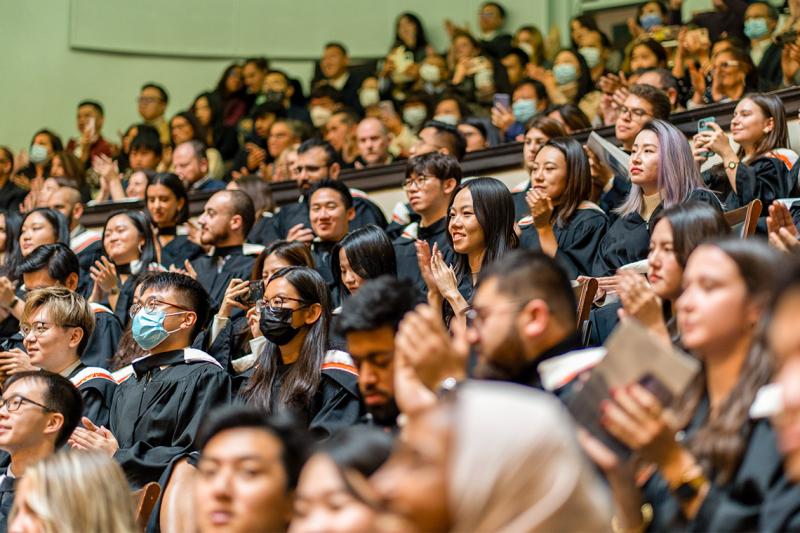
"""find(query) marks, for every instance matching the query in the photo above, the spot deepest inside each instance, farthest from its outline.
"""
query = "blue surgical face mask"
(591, 54)
(524, 109)
(565, 73)
(756, 28)
(148, 329)
(650, 21)
(447, 118)
(38, 154)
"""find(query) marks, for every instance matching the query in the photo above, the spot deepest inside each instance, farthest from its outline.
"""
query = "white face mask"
(527, 48)
(430, 73)
(446, 118)
(368, 97)
(414, 116)
(483, 79)
(319, 115)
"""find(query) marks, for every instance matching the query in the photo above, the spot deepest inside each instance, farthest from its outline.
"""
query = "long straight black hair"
(141, 222)
(369, 252)
(301, 381)
(494, 209)
(12, 256)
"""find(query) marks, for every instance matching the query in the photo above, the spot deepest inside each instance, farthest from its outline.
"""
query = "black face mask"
(276, 325)
(275, 97)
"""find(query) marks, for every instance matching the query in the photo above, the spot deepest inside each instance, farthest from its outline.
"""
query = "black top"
(157, 410)
(97, 387)
(578, 240)
(529, 374)
(7, 488)
(11, 196)
(765, 178)
(628, 238)
(178, 250)
(86, 259)
(104, 340)
(216, 271)
(759, 497)
(270, 229)
(406, 252)
(616, 195)
(125, 300)
(321, 252)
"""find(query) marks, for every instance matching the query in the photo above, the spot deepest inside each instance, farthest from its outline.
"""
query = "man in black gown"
(316, 160)
(158, 408)
(227, 218)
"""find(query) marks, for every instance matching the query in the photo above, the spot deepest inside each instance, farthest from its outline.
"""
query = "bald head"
(373, 141)
(67, 201)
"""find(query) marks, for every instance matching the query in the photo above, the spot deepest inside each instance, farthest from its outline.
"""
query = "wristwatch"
(691, 483)
(732, 164)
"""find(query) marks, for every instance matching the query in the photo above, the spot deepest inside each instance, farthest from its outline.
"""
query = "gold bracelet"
(647, 517)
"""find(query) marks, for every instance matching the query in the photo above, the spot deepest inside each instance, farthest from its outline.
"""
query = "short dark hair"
(772, 11)
(349, 115)
(654, 96)
(500, 8)
(94, 104)
(57, 258)
(161, 90)
(379, 302)
(198, 149)
(60, 396)
(269, 108)
(293, 438)
(191, 293)
(450, 137)
(337, 186)
(326, 91)
(330, 151)
(442, 166)
(336, 44)
(261, 63)
(654, 46)
(243, 206)
(147, 138)
(541, 90)
(668, 80)
(520, 54)
(524, 274)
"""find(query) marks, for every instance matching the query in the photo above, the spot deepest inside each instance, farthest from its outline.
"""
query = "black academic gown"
(406, 252)
(765, 178)
(158, 409)
(97, 387)
(87, 255)
(270, 229)
(216, 271)
(321, 251)
(616, 195)
(178, 250)
(760, 497)
(628, 238)
(104, 339)
(125, 300)
(11, 196)
(7, 489)
(578, 240)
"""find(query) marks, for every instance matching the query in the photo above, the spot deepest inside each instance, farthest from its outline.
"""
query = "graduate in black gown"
(10, 222)
(128, 251)
(227, 218)
(363, 254)
(234, 338)
(296, 368)
(725, 473)
(159, 406)
(57, 324)
(663, 174)
(55, 264)
(168, 207)
(430, 182)
(316, 160)
(760, 169)
(563, 223)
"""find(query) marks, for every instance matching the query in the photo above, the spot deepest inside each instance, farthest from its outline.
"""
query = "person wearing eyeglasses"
(732, 75)
(297, 369)
(429, 184)
(38, 412)
(152, 102)
(161, 401)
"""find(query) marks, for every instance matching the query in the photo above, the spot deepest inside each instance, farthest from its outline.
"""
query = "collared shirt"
(757, 50)
(339, 82)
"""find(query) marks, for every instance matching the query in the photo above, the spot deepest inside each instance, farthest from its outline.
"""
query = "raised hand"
(300, 233)
(104, 275)
(541, 207)
(236, 288)
(640, 302)
(783, 234)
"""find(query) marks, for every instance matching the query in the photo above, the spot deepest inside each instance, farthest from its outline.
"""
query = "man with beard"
(227, 218)
(369, 321)
(523, 313)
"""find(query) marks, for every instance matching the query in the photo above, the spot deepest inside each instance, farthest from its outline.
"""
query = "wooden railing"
(480, 163)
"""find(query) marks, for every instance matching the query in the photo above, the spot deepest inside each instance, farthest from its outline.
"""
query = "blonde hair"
(65, 308)
(78, 492)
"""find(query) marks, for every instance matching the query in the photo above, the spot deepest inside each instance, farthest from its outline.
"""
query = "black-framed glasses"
(151, 306)
(278, 302)
(15, 402)
(476, 316)
(635, 112)
(41, 328)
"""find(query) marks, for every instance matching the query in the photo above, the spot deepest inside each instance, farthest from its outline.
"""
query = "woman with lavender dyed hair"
(663, 173)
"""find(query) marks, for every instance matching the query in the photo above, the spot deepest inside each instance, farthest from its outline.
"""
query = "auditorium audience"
(317, 324)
